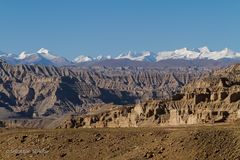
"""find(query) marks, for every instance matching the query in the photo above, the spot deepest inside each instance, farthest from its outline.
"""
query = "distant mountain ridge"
(45, 57)
(42, 56)
(184, 53)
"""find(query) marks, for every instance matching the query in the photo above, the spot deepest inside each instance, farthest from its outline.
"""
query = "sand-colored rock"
(30, 90)
(214, 99)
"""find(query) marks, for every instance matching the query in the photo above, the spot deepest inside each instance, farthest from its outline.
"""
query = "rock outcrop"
(213, 99)
(35, 91)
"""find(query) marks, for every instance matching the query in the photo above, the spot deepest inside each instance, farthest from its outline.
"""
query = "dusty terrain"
(192, 142)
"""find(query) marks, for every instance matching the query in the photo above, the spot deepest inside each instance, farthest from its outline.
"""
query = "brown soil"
(206, 142)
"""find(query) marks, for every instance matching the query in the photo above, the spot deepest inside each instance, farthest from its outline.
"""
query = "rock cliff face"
(34, 91)
(213, 99)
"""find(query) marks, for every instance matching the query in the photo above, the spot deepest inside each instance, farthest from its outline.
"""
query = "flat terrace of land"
(186, 142)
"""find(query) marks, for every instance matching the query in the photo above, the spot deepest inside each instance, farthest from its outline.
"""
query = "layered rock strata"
(35, 91)
(213, 99)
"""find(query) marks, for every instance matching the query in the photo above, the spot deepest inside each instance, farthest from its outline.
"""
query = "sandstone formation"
(213, 99)
(35, 91)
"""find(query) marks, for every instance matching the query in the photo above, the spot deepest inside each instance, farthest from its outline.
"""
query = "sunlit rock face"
(212, 99)
(37, 91)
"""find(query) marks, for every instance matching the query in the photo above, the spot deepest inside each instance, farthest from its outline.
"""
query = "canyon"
(39, 91)
(50, 112)
(37, 96)
(209, 100)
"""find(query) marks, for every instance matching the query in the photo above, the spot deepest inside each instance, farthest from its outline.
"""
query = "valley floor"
(192, 142)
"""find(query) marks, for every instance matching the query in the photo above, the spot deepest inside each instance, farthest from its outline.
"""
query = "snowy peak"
(23, 55)
(47, 54)
(142, 56)
(186, 54)
(183, 53)
(43, 51)
(128, 55)
(82, 58)
(203, 49)
(216, 55)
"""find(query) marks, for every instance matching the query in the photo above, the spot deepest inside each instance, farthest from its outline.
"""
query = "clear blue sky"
(92, 27)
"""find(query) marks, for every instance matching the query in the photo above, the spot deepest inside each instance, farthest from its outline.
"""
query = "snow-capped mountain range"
(45, 57)
(42, 56)
(82, 58)
(184, 53)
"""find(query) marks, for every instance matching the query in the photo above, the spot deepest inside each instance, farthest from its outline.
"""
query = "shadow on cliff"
(67, 91)
(117, 97)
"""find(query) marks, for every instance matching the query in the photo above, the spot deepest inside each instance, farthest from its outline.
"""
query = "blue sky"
(92, 27)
